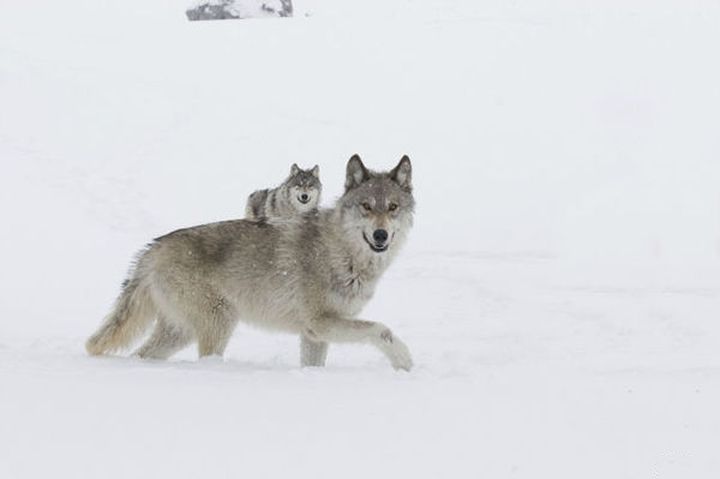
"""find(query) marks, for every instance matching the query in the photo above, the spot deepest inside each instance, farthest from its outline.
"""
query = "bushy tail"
(134, 310)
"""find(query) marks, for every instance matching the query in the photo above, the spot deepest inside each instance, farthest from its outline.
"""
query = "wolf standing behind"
(311, 275)
(299, 193)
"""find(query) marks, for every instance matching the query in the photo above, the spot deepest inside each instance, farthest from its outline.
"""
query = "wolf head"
(377, 208)
(304, 188)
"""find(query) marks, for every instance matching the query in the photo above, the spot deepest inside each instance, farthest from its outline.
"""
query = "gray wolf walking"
(299, 193)
(310, 275)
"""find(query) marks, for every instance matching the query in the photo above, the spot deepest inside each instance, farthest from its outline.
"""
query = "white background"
(560, 291)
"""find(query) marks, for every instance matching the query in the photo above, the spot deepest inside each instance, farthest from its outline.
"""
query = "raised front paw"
(396, 351)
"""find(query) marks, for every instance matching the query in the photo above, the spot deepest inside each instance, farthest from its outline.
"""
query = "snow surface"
(560, 291)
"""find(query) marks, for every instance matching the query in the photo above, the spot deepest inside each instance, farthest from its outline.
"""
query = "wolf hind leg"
(165, 340)
(213, 343)
(312, 353)
(215, 330)
(336, 329)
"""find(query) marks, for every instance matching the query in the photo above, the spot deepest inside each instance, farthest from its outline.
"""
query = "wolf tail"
(134, 310)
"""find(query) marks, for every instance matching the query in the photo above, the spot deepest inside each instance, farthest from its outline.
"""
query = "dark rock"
(225, 9)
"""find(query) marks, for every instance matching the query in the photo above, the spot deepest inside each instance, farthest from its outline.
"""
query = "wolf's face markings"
(304, 188)
(378, 205)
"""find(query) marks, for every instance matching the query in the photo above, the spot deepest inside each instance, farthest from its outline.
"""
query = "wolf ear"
(294, 169)
(402, 173)
(315, 171)
(356, 173)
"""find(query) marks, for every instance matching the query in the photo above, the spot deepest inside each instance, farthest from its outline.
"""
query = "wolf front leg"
(341, 330)
(312, 353)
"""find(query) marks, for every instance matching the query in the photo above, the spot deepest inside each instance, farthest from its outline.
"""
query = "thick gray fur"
(310, 275)
(287, 199)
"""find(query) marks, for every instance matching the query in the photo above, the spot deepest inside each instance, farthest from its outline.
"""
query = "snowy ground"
(560, 291)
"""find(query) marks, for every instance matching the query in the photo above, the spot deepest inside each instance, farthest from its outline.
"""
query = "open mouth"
(375, 247)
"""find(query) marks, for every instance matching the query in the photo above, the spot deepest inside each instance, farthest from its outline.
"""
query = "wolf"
(310, 275)
(299, 193)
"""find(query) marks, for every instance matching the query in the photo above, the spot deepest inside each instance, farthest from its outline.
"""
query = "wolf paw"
(397, 352)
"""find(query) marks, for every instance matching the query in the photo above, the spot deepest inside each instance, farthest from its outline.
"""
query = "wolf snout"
(304, 198)
(380, 236)
(379, 242)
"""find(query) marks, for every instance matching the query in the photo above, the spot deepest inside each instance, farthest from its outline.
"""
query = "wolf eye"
(366, 206)
(392, 206)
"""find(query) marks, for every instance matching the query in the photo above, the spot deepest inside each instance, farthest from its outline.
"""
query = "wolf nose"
(304, 197)
(380, 236)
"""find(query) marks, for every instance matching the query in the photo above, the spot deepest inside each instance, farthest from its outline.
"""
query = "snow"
(560, 291)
